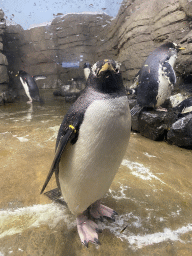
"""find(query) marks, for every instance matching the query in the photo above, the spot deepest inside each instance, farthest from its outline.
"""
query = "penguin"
(86, 69)
(30, 86)
(90, 146)
(184, 108)
(156, 78)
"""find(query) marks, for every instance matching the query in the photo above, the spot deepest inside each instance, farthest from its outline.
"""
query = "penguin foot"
(98, 211)
(161, 109)
(87, 230)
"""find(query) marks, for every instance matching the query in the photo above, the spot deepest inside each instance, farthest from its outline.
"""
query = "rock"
(180, 133)
(153, 124)
(69, 92)
(8, 96)
(3, 60)
(3, 74)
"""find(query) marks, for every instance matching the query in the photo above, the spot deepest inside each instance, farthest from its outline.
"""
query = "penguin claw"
(87, 230)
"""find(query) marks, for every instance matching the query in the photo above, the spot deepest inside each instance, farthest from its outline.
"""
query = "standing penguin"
(90, 146)
(30, 86)
(156, 77)
(86, 69)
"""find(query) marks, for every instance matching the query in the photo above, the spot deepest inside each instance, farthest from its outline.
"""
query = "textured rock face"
(70, 39)
(144, 25)
(181, 132)
(4, 79)
(138, 29)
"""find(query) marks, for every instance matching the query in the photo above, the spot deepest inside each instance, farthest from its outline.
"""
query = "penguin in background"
(156, 78)
(30, 86)
(90, 146)
(86, 69)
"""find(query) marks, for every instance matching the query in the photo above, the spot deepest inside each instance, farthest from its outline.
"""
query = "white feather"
(88, 167)
(26, 88)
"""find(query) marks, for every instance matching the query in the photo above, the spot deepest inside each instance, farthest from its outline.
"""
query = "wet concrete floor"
(152, 192)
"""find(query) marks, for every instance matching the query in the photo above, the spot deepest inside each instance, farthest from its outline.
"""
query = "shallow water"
(152, 192)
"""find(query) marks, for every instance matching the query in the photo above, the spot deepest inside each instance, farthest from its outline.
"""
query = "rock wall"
(140, 27)
(4, 79)
(69, 39)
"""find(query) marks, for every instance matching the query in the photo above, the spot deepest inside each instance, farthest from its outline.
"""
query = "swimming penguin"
(30, 86)
(90, 146)
(87, 70)
(156, 77)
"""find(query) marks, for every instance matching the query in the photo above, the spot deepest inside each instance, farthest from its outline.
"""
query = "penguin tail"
(56, 196)
(136, 109)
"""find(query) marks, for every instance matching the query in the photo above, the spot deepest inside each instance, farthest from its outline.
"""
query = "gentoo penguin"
(30, 86)
(90, 146)
(86, 69)
(156, 77)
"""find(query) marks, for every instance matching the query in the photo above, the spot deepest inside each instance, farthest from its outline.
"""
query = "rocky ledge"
(170, 126)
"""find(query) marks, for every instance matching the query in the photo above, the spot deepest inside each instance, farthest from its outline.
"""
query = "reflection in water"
(29, 113)
(151, 191)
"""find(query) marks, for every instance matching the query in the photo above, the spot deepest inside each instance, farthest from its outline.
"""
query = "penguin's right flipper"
(60, 148)
(136, 109)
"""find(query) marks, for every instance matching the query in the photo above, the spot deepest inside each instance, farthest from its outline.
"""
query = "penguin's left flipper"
(60, 148)
(169, 72)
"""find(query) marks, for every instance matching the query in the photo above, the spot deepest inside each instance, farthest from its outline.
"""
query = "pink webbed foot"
(87, 230)
(161, 109)
(98, 211)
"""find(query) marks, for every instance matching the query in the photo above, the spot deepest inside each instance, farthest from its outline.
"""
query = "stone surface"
(3, 74)
(3, 60)
(153, 124)
(137, 30)
(180, 133)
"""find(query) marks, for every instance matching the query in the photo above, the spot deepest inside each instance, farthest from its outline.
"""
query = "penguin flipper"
(39, 77)
(136, 109)
(60, 148)
(169, 72)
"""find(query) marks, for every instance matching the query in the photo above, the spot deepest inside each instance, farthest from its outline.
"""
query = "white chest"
(164, 88)
(87, 168)
(26, 88)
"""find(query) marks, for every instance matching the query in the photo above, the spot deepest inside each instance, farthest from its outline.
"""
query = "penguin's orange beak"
(106, 66)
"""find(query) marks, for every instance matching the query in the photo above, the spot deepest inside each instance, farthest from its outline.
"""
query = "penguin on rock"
(30, 86)
(90, 146)
(156, 78)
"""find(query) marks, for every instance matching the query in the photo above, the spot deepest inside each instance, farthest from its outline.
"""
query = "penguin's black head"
(171, 47)
(106, 75)
(21, 73)
(105, 68)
